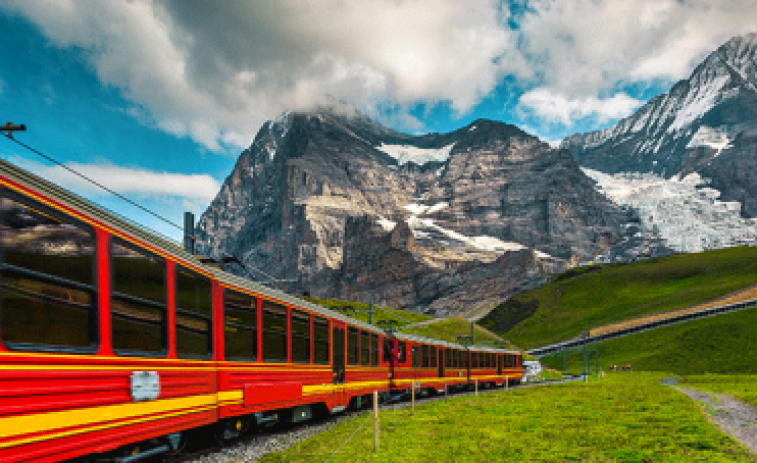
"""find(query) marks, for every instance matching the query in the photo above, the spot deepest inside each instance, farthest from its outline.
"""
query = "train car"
(112, 338)
(491, 367)
(106, 332)
(305, 359)
(420, 361)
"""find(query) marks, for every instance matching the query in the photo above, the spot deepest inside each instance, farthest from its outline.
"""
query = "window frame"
(315, 319)
(292, 335)
(365, 350)
(263, 309)
(95, 336)
(402, 349)
(424, 355)
(353, 351)
(374, 340)
(115, 240)
(225, 324)
(433, 362)
(177, 267)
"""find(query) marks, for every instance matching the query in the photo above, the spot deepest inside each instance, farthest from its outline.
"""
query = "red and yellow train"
(114, 341)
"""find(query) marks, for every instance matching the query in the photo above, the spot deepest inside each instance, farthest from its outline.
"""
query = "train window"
(194, 314)
(300, 336)
(416, 357)
(48, 278)
(474, 360)
(353, 347)
(448, 356)
(138, 300)
(240, 319)
(424, 356)
(274, 332)
(321, 340)
(387, 350)
(465, 359)
(374, 350)
(365, 348)
(402, 352)
(433, 356)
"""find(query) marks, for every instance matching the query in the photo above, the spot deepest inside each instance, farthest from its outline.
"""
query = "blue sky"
(158, 98)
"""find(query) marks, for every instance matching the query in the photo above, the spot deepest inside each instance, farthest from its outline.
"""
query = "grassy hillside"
(720, 344)
(448, 329)
(357, 310)
(587, 297)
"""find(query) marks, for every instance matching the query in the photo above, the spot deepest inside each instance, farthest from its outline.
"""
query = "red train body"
(115, 339)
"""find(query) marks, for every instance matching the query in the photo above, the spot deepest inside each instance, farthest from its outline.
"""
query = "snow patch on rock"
(407, 153)
(686, 214)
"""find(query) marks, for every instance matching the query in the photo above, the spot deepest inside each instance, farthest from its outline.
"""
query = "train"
(117, 344)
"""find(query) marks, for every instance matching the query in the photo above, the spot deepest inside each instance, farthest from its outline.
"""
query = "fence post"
(375, 422)
(597, 346)
(476, 382)
(412, 395)
(445, 392)
(507, 383)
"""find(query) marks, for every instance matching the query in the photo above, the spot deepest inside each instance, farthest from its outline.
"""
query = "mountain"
(705, 125)
(456, 221)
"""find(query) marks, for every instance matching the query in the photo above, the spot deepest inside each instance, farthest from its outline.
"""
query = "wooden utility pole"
(375, 422)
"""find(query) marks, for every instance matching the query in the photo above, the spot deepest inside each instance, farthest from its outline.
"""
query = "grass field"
(624, 418)
(742, 387)
(358, 310)
(720, 344)
(587, 297)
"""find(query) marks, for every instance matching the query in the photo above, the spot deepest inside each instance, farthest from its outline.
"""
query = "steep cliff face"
(705, 124)
(347, 207)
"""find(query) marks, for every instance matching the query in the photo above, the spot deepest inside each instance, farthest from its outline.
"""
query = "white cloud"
(584, 47)
(216, 70)
(553, 107)
(126, 181)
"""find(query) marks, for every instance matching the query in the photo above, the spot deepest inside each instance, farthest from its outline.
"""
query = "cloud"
(126, 181)
(585, 47)
(554, 107)
(214, 71)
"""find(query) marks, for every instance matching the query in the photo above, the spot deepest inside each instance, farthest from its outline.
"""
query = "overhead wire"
(79, 174)
(124, 198)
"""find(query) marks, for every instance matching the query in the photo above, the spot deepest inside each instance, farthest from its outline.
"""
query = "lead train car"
(113, 338)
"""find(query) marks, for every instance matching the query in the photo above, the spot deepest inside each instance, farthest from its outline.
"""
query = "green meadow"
(723, 344)
(588, 297)
(623, 418)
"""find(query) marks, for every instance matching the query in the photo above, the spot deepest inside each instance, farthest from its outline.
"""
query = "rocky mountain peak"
(347, 206)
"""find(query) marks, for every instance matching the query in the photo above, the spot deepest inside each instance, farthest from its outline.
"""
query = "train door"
(338, 354)
(441, 362)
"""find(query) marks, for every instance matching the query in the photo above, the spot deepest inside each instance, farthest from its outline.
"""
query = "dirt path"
(735, 418)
